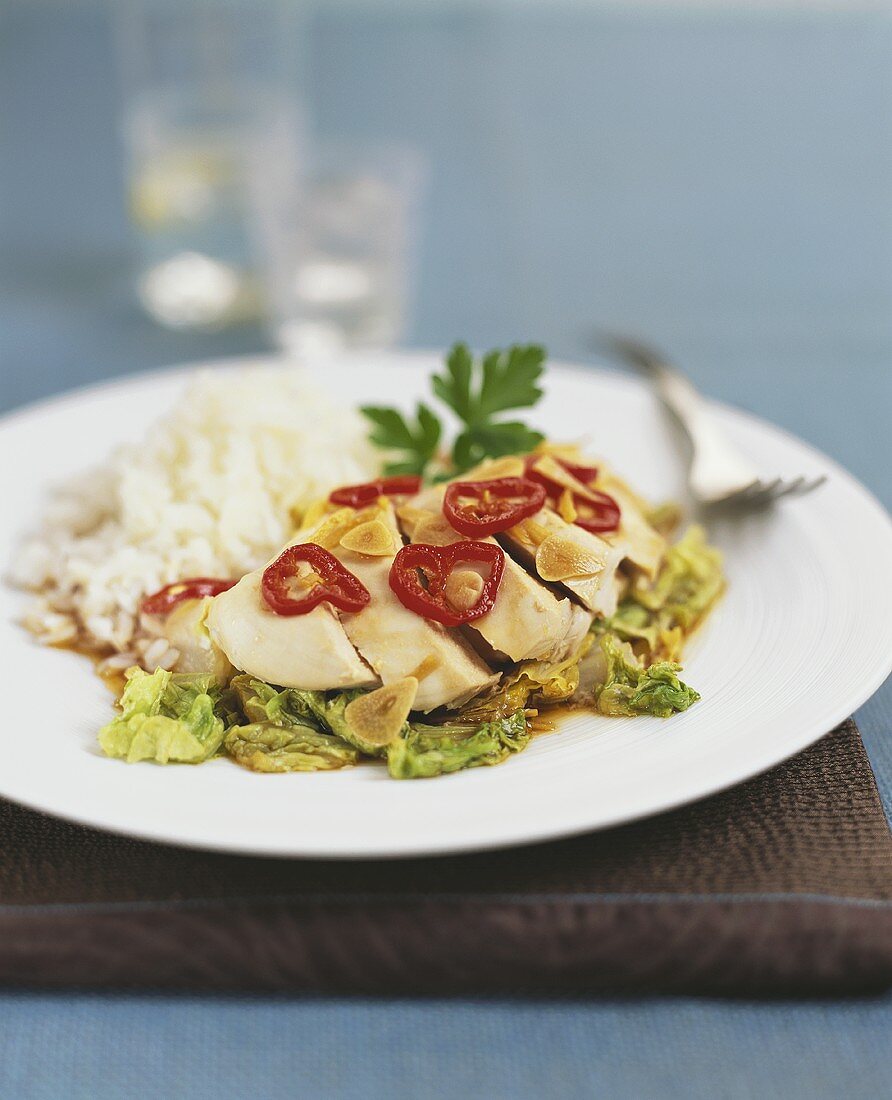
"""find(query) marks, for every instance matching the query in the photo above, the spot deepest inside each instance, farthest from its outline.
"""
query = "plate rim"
(519, 837)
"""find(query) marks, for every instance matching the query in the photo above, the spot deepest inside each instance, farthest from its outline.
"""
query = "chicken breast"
(309, 651)
(528, 621)
(393, 640)
(558, 552)
(186, 630)
(645, 547)
(564, 554)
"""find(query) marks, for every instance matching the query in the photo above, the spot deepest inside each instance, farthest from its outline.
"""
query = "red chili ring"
(437, 564)
(481, 508)
(337, 585)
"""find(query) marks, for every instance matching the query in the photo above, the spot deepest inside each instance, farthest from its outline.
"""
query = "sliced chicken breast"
(558, 552)
(645, 547)
(186, 630)
(528, 621)
(395, 641)
(309, 651)
(564, 554)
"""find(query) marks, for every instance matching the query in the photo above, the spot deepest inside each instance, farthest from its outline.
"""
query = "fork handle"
(716, 468)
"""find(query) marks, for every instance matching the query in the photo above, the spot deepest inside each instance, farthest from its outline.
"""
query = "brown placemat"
(782, 886)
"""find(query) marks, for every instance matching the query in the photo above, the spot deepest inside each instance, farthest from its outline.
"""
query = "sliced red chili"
(585, 474)
(288, 591)
(194, 588)
(480, 508)
(436, 563)
(598, 516)
(358, 496)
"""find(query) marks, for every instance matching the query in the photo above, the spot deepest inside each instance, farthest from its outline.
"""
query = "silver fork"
(718, 474)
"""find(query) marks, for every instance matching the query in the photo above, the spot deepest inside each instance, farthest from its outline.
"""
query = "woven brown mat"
(780, 886)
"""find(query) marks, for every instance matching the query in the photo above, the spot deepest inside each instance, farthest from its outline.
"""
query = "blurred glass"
(339, 242)
(204, 81)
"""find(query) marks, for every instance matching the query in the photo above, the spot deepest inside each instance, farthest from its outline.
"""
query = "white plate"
(800, 640)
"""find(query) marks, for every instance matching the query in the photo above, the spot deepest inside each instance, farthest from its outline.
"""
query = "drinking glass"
(339, 241)
(204, 82)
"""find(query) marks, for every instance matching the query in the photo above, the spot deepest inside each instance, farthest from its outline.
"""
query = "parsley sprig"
(418, 441)
(476, 391)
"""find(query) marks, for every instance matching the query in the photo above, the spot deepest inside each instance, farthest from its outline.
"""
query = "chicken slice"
(394, 640)
(528, 621)
(582, 563)
(309, 651)
(645, 546)
(186, 630)
(562, 553)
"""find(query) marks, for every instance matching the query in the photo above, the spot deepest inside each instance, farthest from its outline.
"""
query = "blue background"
(720, 180)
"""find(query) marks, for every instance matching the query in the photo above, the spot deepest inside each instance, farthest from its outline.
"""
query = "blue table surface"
(721, 181)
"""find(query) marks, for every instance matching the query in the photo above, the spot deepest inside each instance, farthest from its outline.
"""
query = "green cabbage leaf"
(534, 684)
(261, 702)
(284, 732)
(423, 751)
(626, 688)
(266, 747)
(166, 717)
(656, 617)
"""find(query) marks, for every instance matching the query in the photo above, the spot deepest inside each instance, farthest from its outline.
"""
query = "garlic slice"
(377, 717)
(509, 466)
(334, 528)
(435, 529)
(371, 538)
(463, 590)
(562, 557)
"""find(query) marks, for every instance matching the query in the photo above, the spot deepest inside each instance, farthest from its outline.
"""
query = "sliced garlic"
(529, 533)
(331, 532)
(561, 557)
(435, 530)
(371, 538)
(509, 466)
(566, 508)
(552, 469)
(334, 528)
(428, 665)
(378, 717)
(410, 517)
(463, 589)
(316, 512)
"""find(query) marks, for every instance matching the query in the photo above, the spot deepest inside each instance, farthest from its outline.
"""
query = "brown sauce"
(113, 678)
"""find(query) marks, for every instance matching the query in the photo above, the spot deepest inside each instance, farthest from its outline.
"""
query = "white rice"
(214, 489)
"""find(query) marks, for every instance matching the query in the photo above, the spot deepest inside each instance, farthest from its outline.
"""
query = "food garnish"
(599, 516)
(585, 474)
(437, 563)
(377, 717)
(358, 496)
(476, 391)
(568, 485)
(370, 538)
(480, 508)
(289, 589)
(418, 442)
(165, 599)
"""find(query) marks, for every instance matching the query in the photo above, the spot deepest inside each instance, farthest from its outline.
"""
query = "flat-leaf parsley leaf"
(393, 432)
(476, 392)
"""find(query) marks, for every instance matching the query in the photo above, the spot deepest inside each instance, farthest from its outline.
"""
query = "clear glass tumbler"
(339, 240)
(204, 82)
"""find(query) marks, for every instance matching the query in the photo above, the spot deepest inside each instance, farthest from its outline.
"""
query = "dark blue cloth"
(718, 181)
